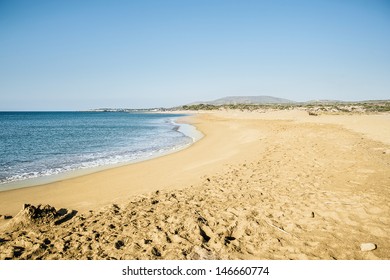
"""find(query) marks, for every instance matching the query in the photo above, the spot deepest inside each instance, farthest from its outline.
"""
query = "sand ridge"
(282, 189)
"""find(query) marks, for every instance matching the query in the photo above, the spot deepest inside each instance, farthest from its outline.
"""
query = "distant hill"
(246, 100)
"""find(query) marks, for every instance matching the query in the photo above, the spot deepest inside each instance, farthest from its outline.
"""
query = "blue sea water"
(38, 144)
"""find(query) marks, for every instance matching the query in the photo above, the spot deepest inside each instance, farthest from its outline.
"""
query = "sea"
(40, 145)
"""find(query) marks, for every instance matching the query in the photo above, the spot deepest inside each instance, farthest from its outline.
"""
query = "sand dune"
(278, 185)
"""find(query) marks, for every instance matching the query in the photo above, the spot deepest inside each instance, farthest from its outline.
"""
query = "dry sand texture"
(258, 186)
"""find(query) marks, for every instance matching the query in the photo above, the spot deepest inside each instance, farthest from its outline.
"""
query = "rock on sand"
(367, 246)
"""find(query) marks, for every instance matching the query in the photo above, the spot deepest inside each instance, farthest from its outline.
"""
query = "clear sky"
(74, 55)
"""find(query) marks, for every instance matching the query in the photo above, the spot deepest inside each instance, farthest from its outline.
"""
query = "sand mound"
(39, 214)
(32, 215)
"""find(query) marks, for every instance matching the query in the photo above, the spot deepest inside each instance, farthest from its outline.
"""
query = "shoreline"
(184, 128)
(13, 198)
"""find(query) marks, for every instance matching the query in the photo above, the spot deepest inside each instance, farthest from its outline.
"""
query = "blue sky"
(75, 55)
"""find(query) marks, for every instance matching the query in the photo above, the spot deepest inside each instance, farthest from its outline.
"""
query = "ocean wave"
(87, 161)
(72, 141)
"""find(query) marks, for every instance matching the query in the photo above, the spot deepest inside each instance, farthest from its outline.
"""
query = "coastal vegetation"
(313, 108)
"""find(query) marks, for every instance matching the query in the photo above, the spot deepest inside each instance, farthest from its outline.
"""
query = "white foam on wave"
(101, 161)
(190, 131)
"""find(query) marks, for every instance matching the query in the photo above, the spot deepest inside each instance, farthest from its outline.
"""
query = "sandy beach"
(272, 185)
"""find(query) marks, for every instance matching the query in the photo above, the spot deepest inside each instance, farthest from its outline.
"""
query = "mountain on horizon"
(262, 99)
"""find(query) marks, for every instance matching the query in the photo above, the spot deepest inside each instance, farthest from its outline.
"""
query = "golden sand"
(275, 185)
